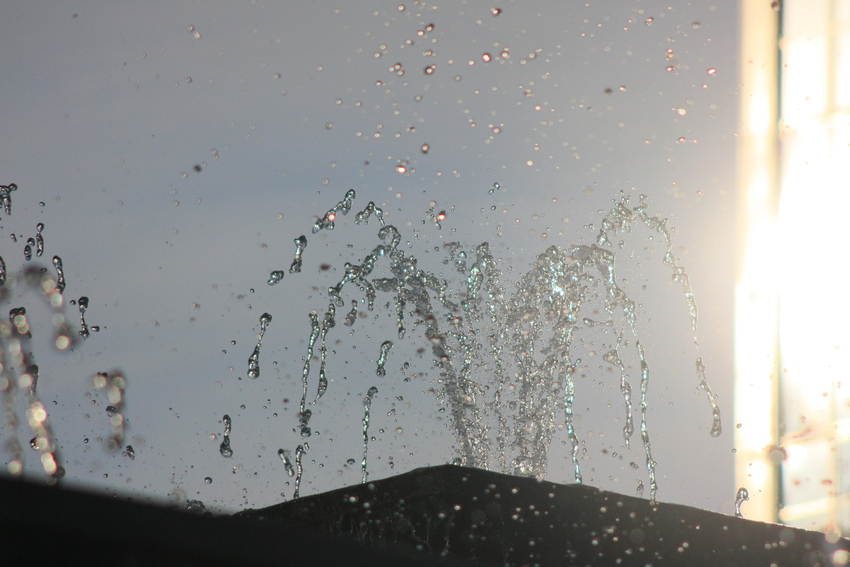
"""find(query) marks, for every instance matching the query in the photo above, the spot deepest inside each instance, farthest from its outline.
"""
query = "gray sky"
(108, 107)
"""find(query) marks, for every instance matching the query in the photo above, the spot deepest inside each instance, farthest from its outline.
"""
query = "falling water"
(287, 463)
(299, 468)
(39, 239)
(367, 406)
(254, 359)
(382, 358)
(83, 304)
(327, 222)
(6, 197)
(524, 339)
(505, 353)
(716, 426)
(60, 274)
(225, 449)
(300, 245)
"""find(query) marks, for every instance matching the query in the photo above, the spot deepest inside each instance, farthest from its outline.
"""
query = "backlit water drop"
(299, 468)
(287, 463)
(225, 449)
(300, 245)
(39, 239)
(60, 274)
(275, 277)
(742, 496)
(520, 340)
(83, 304)
(254, 359)
(382, 358)
(6, 197)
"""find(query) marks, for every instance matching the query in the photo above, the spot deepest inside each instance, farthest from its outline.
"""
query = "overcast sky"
(173, 152)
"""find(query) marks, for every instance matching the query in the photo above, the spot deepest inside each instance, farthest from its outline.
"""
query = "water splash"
(300, 245)
(382, 358)
(225, 449)
(299, 468)
(254, 359)
(363, 216)
(327, 222)
(2, 272)
(521, 342)
(195, 507)
(367, 406)
(742, 496)
(28, 249)
(130, 452)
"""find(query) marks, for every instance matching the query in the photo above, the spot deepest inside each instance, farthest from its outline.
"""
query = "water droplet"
(275, 277)
(712, 71)
(60, 274)
(225, 449)
(367, 405)
(742, 496)
(208, 480)
(254, 359)
(649, 21)
(301, 244)
(83, 303)
(495, 11)
(299, 469)
(287, 463)
(5, 196)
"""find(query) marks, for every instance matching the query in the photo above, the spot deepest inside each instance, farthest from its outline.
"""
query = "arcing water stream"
(505, 358)
(504, 353)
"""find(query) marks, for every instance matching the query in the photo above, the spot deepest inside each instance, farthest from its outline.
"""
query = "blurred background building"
(792, 405)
